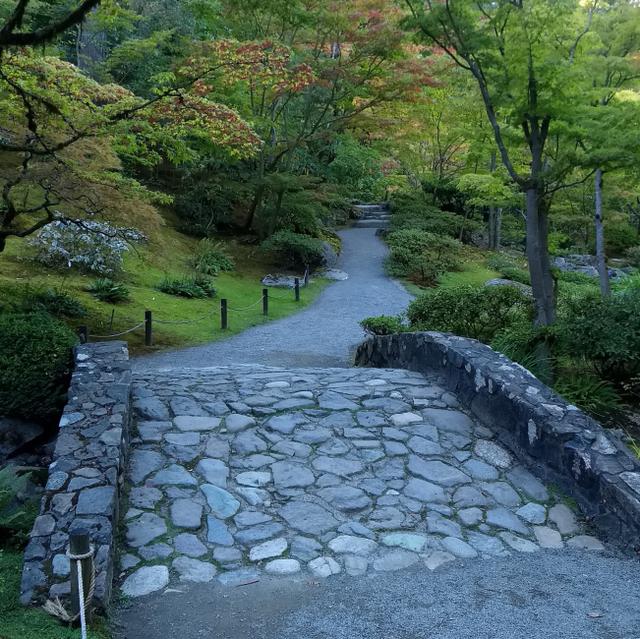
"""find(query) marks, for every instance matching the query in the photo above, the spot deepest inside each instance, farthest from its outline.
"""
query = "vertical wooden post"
(83, 334)
(306, 276)
(148, 328)
(79, 545)
(296, 288)
(265, 301)
(223, 315)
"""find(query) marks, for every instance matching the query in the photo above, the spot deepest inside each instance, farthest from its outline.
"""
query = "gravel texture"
(323, 334)
(564, 595)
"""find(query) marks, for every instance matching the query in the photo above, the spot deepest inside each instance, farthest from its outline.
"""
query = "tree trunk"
(601, 259)
(495, 216)
(538, 259)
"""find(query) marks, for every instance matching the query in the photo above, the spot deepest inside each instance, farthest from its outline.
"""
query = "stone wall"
(560, 443)
(85, 476)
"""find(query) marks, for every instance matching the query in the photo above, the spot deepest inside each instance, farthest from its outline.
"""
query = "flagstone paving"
(243, 471)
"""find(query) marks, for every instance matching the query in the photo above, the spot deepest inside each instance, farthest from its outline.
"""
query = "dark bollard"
(265, 301)
(224, 324)
(83, 334)
(148, 328)
(296, 288)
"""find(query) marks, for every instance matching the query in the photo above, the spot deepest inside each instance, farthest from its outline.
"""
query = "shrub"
(17, 507)
(516, 275)
(190, 287)
(469, 311)
(56, 302)
(605, 332)
(96, 247)
(575, 277)
(294, 249)
(107, 290)
(593, 395)
(633, 255)
(35, 364)
(422, 256)
(619, 236)
(210, 258)
(383, 325)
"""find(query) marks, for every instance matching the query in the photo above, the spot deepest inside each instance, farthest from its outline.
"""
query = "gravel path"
(324, 334)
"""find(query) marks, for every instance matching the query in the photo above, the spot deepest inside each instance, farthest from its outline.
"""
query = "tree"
(521, 55)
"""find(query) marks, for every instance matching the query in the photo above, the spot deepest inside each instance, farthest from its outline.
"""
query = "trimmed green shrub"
(295, 249)
(597, 397)
(633, 255)
(422, 256)
(605, 332)
(210, 258)
(18, 508)
(190, 287)
(469, 311)
(383, 325)
(56, 302)
(35, 365)
(108, 290)
(575, 277)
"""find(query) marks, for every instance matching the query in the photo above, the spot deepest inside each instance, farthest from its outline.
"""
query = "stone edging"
(85, 475)
(560, 443)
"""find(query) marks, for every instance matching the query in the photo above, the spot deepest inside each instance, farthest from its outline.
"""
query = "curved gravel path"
(323, 334)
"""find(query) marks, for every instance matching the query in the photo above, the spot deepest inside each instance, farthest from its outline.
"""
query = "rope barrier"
(135, 328)
(193, 321)
(245, 308)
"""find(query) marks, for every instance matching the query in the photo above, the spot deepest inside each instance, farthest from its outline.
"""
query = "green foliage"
(422, 256)
(597, 397)
(472, 312)
(633, 255)
(210, 258)
(295, 249)
(55, 302)
(108, 290)
(197, 287)
(509, 268)
(558, 242)
(619, 236)
(17, 507)
(383, 325)
(35, 364)
(605, 332)
(358, 168)
(575, 277)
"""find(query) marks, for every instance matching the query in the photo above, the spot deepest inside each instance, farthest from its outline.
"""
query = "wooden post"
(223, 315)
(83, 334)
(79, 545)
(296, 288)
(148, 329)
(265, 301)
(306, 276)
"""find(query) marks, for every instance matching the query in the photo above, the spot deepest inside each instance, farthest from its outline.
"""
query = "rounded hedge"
(35, 365)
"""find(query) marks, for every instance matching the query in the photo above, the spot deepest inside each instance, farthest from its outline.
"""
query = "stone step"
(376, 216)
(371, 208)
(371, 224)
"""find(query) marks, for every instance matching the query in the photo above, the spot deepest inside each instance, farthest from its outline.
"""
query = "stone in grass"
(143, 463)
(144, 529)
(585, 542)
(459, 548)
(235, 422)
(174, 475)
(214, 471)
(547, 537)
(146, 580)
(562, 516)
(155, 551)
(222, 503)
(470, 516)
(194, 570)
(305, 548)
(283, 567)
(324, 567)
(395, 560)
(253, 478)
(227, 555)
(268, 549)
(196, 422)
(349, 544)
(438, 558)
(533, 513)
(218, 533)
(503, 518)
(188, 544)
(186, 513)
(408, 541)
(517, 543)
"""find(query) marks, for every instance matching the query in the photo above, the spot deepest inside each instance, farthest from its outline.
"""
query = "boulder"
(329, 255)
(502, 282)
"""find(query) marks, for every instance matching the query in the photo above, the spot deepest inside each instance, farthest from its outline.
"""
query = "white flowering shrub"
(92, 246)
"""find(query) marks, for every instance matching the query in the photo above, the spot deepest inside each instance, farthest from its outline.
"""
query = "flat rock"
(188, 544)
(324, 567)
(194, 570)
(174, 475)
(459, 548)
(196, 423)
(351, 545)
(409, 541)
(437, 471)
(287, 474)
(425, 491)
(307, 517)
(268, 549)
(585, 542)
(144, 529)
(562, 516)
(338, 465)
(533, 513)
(283, 567)
(345, 498)
(146, 580)
(395, 560)
(503, 518)
(493, 453)
(234, 422)
(222, 503)
(518, 543)
(214, 471)
(547, 537)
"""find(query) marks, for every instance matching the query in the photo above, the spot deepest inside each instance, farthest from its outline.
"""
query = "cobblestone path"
(243, 471)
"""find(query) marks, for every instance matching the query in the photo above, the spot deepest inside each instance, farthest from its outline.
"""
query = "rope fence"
(225, 308)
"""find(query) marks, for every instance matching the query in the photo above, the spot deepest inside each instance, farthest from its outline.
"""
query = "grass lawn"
(166, 255)
(18, 622)
(472, 273)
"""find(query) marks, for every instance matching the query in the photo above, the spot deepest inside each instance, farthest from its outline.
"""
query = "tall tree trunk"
(538, 259)
(495, 216)
(601, 259)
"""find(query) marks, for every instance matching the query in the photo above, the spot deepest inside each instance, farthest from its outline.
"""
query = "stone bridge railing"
(559, 442)
(85, 475)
